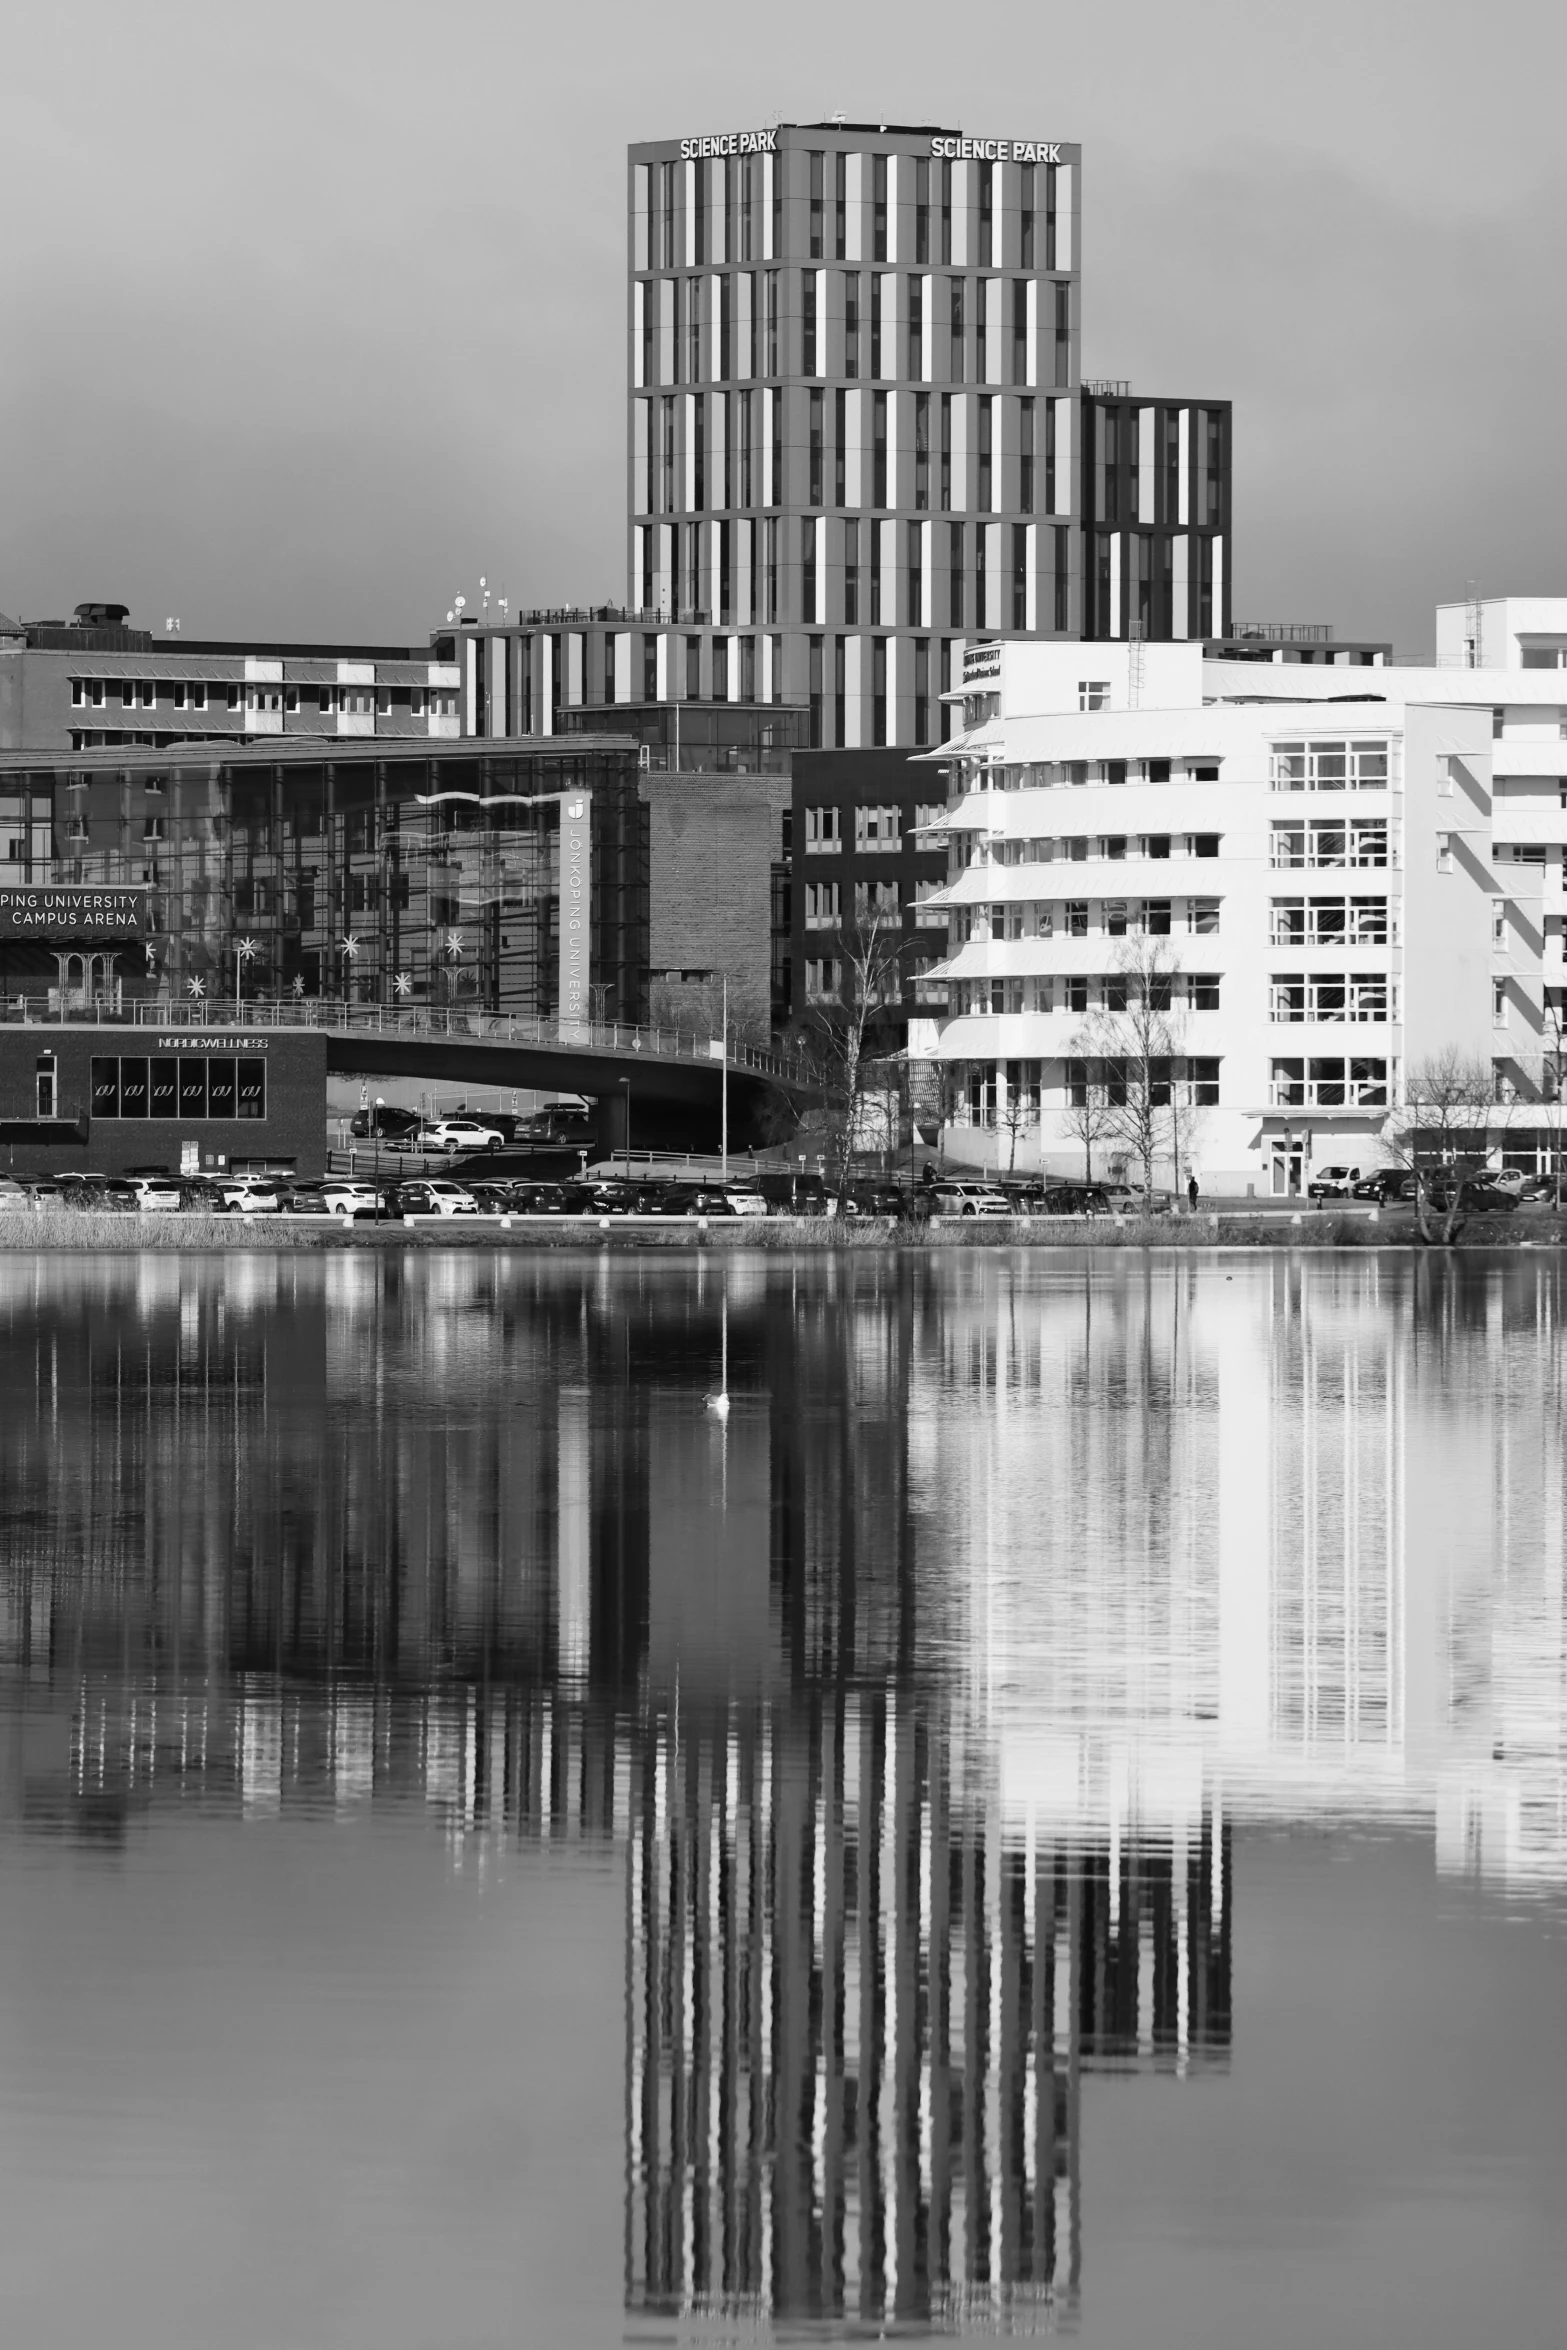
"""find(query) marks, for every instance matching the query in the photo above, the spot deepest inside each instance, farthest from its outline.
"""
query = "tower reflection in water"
(922, 1703)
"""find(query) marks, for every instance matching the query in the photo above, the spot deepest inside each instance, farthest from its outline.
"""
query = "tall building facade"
(857, 433)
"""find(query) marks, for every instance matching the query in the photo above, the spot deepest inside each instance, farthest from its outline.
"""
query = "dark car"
(538, 1199)
(696, 1199)
(1384, 1184)
(790, 1191)
(304, 1199)
(389, 1124)
(1076, 1199)
(593, 1198)
(491, 1199)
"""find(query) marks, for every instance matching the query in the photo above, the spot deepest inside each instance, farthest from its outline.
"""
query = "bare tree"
(1137, 1035)
(1019, 1113)
(842, 1034)
(1088, 1105)
(1441, 1133)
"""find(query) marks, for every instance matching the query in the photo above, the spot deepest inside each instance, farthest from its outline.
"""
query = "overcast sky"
(314, 313)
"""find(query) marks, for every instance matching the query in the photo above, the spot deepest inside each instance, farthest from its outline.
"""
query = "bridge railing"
(459, 1023)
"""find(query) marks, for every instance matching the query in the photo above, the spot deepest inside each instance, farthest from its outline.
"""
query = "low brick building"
(119, 1097)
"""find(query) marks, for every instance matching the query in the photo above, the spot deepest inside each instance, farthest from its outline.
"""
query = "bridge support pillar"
(611, 1122)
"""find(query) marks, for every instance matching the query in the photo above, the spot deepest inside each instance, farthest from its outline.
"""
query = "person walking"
(1191, 1193)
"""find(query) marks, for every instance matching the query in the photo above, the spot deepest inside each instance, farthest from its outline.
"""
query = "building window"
(922, 697)
(1025, 200)
(1093, 693)
(1020, 575)
(1020, 330)
(851, 322)
(822, 904)
(877, 829)
(922, 210)
(1202, 991)
(1330, 766)
(878, 207)
(823, 831)
(840, 170)
(946, 452)
(1063, 322)
(808, 322)
(879, 449)
(916, 603)
(955, 576)
(878, 306)
(916, 354)
(879, 691)
(816, 161)
(198, 1086)
(956, 330)
(817, 421)
(821, 979)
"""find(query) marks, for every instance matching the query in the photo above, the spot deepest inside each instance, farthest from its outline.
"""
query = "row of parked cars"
(1492, 1190)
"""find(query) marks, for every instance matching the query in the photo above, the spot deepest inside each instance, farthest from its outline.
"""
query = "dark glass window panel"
(252, 1089)
(220, 1089)
(105, 1088)
(193, 1089)
(165, 1089)
(133, 1089)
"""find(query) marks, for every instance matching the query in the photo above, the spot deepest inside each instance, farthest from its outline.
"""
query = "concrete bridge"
(669, 1083)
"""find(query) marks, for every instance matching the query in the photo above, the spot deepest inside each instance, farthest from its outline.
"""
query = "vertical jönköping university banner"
(576, 905)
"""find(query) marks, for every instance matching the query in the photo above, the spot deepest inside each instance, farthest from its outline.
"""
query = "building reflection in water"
(924, 1702)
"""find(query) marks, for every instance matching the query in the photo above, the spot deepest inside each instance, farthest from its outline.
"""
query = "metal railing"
(459, 1025)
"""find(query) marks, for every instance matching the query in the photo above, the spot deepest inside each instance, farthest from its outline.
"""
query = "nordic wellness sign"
(73, 913)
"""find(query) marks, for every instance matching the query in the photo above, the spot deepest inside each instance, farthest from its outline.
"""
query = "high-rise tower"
(853, 432)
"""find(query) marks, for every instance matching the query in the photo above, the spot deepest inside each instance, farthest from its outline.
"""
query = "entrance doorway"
(1289, 1170)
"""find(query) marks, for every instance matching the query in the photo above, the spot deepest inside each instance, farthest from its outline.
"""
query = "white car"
(969, 1199)
(344, 1197)
(460, 1134)
(448, 1199)
(748, 1203)
(245, 1195)
(158, 1195)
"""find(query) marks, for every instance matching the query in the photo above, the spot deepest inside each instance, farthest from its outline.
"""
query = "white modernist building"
(1341, 878)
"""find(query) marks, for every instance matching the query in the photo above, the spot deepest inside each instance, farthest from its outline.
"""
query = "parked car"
(791, 1191)
(14, 1201)
(490, 1199)
(159, 1195)
(460, 1134)
(745, 1201)
(304, 1199)
(695, 1199)
(435, 1195)
(1382, 1184)
(538, 1199)
(1333, 1183)
(968, 1199)
(384, 1123)
(244, 1195)
(345, 1195)
(384, 1205)
(1130, 1199)
(1066, 1198)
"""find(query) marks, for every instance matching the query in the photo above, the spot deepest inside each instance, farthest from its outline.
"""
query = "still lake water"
(1052, 1820)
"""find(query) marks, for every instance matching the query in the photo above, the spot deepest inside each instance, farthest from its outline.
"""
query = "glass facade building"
(349, 874)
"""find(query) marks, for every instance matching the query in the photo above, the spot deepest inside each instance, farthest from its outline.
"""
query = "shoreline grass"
(83, 1232)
